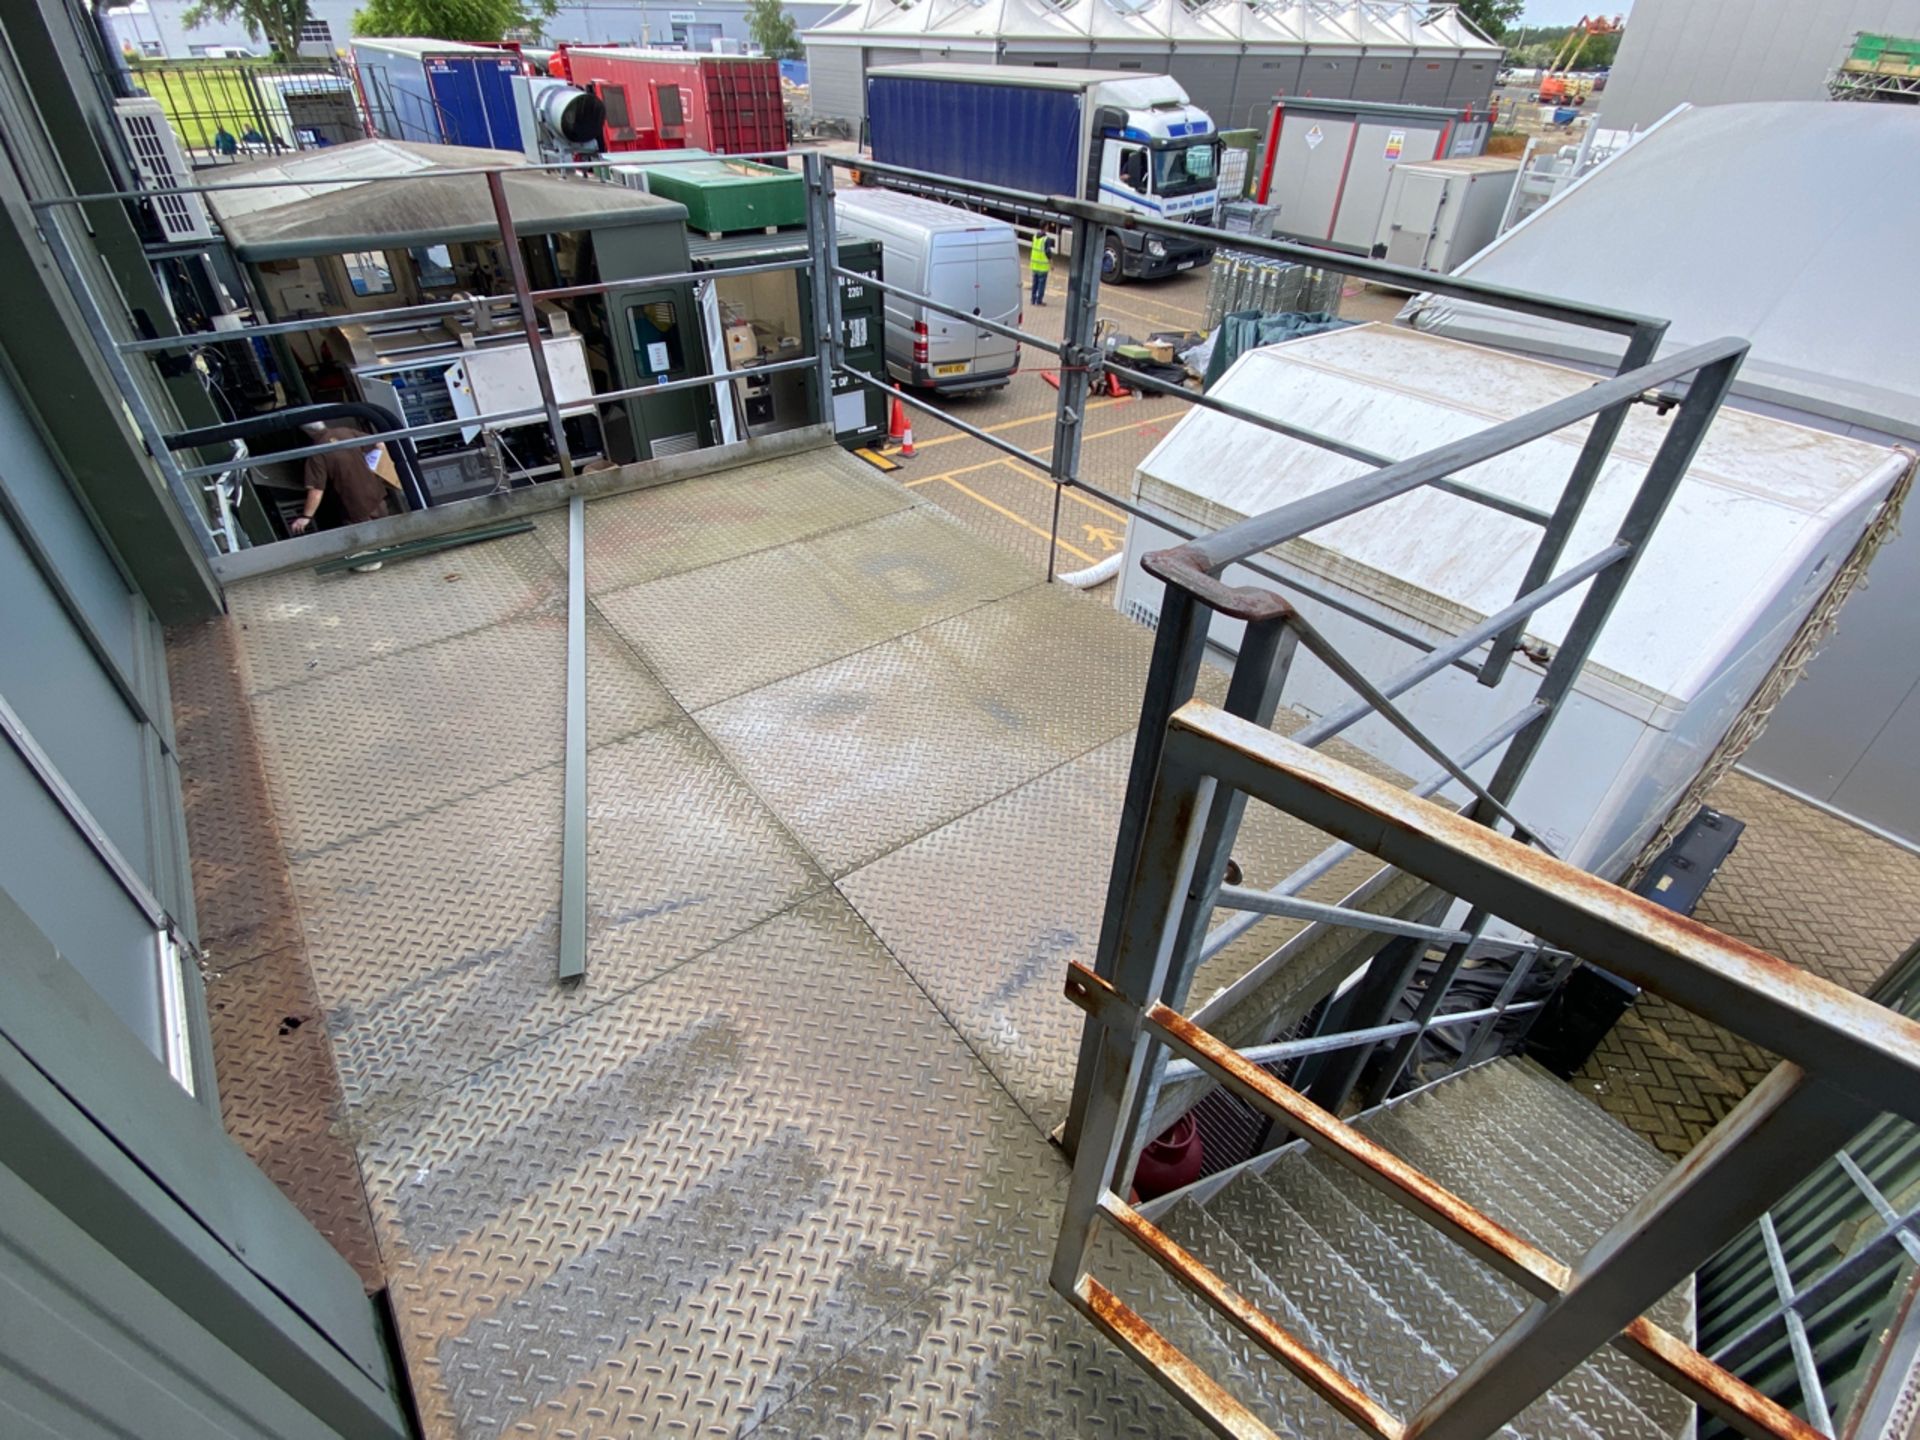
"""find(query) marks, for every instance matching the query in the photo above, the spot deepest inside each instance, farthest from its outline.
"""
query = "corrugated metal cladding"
(1236, 90)
(836, 79)
(1720, 52)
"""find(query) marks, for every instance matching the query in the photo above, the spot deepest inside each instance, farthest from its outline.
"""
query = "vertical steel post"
(1178, 647)
(1259, 675)
(1077, 356)
(1670, 464)
(529, 317)
(1176, 816)
(192, 508)
(573, 816)
(1642, 346)
(822, 251)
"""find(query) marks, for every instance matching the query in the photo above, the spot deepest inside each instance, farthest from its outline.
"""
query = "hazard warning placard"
(1396, 142)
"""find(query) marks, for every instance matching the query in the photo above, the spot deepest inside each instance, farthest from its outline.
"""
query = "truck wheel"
(1113, 256)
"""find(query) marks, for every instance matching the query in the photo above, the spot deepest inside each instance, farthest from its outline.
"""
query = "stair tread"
(1289, 1401)
(1530, 1195)
(1584, 1130)
(1285, 1405)
(1412, 1277)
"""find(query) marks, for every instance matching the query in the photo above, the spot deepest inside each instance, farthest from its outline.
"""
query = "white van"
(960, 259)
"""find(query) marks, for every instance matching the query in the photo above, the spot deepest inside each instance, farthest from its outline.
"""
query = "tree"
(277, 22)
(473, 20)
(1492, 16)
(772, 30)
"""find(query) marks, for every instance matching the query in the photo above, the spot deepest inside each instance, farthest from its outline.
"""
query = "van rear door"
(999, 297)
(952, 279)
(975, 271)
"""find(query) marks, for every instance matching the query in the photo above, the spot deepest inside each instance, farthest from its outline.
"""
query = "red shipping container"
(664, 99)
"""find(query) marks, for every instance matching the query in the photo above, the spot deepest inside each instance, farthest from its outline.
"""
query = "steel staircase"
(1389, 1301)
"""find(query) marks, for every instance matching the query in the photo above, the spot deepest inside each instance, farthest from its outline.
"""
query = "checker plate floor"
(779, 1164)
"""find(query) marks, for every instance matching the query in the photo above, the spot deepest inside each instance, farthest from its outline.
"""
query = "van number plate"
(958, 369)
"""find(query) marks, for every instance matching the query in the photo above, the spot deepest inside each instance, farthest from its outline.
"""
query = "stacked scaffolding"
(1879, 67)
(1242, 281)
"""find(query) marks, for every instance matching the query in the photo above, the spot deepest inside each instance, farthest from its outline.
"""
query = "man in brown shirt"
(344, 481)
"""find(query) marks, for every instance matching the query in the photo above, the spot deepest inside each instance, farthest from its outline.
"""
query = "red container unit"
(663, 99)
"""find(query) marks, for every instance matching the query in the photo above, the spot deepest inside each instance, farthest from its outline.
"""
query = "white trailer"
(1750, 542)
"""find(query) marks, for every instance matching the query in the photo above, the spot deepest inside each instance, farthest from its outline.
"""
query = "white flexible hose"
(1096, 574)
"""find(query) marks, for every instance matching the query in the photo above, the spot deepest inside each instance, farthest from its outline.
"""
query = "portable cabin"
(665, 99)
(317, 246)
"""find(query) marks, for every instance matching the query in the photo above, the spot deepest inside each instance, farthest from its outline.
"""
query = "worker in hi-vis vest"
(1040, 261)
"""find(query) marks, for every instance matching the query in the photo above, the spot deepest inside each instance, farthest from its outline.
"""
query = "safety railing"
(1844, 1061)
(1690, 385)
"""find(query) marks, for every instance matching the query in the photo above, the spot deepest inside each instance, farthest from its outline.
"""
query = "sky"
(1565, 12)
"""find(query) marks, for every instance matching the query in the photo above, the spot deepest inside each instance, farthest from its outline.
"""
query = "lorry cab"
(1165, 162)
(965, 260)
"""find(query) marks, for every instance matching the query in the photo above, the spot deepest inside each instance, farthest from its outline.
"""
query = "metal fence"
(1194, 769)
(227, 111)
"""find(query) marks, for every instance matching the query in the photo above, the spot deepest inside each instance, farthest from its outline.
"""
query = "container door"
(659, 328)
(1309, 164)
(1378, 147)
(459, 115)
(494, 79)
(1418, 201)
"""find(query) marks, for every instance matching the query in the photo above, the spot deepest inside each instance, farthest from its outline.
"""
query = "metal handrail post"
(1641, 348)
(1259, 676)
(1179, 645)
(192, 509)
(529, 317)
(823, 250)
(1671, 462)
(1076, 355)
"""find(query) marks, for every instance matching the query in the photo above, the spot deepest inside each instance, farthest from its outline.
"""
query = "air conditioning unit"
(162, 165)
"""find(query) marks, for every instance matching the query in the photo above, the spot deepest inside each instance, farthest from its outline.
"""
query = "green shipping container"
(723, 196)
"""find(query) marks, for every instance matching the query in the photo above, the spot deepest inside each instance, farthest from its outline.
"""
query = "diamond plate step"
(1589, 1409)
(1558, 1104)
(1449, 1132)
(1283, 1402)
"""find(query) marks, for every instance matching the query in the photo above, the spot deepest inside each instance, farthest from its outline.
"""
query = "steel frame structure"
(1193, 770)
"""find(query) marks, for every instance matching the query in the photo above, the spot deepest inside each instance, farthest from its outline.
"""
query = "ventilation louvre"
(162, 165)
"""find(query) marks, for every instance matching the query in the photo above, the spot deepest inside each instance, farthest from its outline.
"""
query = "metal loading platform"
(853, 780)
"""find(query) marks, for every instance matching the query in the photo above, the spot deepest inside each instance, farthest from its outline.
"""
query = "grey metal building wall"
(1236, 90)
(1720, 52)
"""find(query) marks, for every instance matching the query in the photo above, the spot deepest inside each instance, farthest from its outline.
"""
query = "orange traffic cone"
(900, 428)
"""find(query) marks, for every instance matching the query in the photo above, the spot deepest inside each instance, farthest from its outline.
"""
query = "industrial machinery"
(1557, 85)
(558, 122)
(665, 99)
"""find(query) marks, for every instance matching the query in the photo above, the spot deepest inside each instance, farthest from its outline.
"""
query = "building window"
(367, 272)
(316, 32)
(434, 265)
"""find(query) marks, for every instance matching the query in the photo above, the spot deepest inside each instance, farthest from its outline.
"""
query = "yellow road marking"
(1005, 425)
(1020, 520)
(1071, 492)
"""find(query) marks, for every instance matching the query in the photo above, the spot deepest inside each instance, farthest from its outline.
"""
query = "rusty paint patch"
(1707, 1384)
(1196, 1389)
(1769, 980)
(1312, 1368)
(1676, 1362)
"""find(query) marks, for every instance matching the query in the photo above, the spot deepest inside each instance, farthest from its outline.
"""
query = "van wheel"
(1113, 269)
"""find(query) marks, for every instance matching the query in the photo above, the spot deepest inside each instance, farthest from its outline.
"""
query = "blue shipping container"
(456, 96)
(1024, 139)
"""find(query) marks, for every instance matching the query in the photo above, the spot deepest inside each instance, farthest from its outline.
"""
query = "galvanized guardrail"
(1166, 879)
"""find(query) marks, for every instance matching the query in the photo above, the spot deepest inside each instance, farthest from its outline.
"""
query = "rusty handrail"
(1535, 1271)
